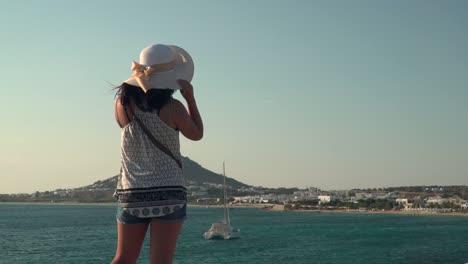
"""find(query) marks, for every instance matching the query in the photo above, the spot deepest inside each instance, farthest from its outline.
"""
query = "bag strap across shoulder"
(156, 142)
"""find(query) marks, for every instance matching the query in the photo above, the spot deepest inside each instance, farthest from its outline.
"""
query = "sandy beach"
(378, 212)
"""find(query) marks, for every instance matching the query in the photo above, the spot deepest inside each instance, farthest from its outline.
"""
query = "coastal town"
(432, 199)
(416, 199)
(205, 188)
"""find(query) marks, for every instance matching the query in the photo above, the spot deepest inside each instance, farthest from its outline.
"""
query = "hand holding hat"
(187, 90)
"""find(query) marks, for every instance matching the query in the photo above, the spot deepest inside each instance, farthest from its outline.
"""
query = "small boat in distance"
(223, 229)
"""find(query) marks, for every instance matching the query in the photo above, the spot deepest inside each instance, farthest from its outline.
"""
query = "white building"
(305, 195)
(435, 199)
(200, 193)
(439, 200)
(254, 199)
(365, 196)
(402, 201)
(325, 198)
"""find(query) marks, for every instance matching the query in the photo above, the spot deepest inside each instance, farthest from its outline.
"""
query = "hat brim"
(184, 70)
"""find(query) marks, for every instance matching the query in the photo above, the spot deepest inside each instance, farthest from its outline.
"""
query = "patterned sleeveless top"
(151, 183)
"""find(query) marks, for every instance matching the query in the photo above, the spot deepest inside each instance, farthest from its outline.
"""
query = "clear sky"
(332, 94)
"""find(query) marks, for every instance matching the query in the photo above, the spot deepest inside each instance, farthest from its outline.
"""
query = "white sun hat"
(160, 67)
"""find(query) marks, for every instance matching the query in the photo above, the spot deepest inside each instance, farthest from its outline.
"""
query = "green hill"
(194, 174)
(197, 178)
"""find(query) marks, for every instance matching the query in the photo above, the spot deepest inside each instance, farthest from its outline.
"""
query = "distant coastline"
(353, 211)
(268, 207)
(399, 212)
(61, 203)
(260, 206)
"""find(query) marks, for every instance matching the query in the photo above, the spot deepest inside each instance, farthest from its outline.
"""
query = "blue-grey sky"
(333, 94)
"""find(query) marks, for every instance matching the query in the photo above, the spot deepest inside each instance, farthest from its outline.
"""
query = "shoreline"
(259, 206)
(59, 203)
(376, 212)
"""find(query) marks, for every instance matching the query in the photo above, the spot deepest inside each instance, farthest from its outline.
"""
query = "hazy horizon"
(300, 187)
(334, 95)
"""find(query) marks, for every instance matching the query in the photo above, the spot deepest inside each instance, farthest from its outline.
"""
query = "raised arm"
(189, 123)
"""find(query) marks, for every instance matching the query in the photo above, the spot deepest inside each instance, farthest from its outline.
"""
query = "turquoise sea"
(87, 234)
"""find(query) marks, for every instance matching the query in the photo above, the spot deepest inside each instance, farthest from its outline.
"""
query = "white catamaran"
(223, 229)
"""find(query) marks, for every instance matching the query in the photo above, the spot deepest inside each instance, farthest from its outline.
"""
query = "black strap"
(156, 142)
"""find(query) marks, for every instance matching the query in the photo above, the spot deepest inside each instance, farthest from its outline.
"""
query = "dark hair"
(153, 99)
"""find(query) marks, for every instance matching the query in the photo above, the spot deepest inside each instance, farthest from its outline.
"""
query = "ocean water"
(87, 234)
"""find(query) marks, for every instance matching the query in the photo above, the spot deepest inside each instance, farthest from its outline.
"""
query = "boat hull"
(217, 235)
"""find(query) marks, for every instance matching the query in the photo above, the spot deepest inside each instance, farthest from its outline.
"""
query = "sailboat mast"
(226, 209)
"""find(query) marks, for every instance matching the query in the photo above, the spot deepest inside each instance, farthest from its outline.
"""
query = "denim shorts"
(124, 217)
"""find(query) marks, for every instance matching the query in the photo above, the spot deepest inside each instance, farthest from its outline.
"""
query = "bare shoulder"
(118, 103)
(178, 105)
(178, 110)
(119, 113)
(184, 122)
